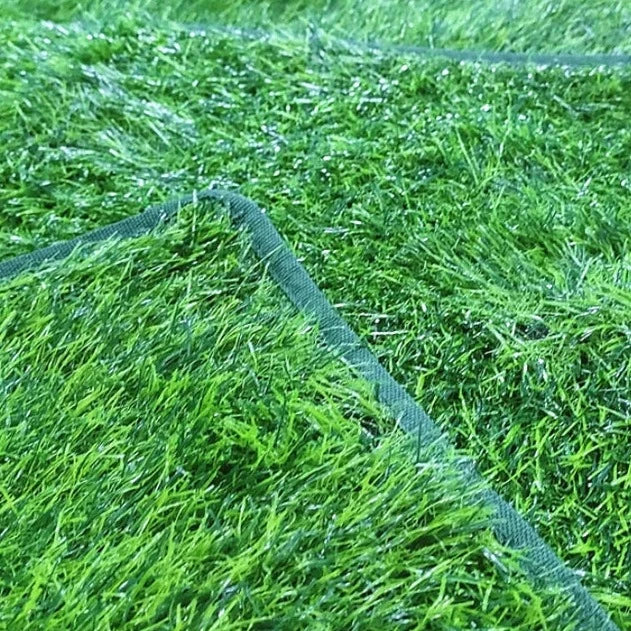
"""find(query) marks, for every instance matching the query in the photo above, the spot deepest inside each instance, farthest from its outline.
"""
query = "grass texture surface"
(471, 222)
(568, 26)
(178, 452)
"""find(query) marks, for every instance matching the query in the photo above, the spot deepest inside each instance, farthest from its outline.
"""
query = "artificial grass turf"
(472, 222)
(569, 26)
(178, 452)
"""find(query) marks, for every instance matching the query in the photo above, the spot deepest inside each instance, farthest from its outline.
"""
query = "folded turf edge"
(538, 559)
(320, 41)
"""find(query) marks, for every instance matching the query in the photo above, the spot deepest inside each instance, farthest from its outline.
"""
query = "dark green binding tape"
(539, 560)
(319, 40)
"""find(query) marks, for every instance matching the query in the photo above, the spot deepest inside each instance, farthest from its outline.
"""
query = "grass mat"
(178, 452)
(471, 222)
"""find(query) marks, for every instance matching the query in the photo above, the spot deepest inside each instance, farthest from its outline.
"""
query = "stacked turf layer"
(177, 452)
(473, 224)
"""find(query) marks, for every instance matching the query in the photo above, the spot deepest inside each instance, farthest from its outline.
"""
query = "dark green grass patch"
(472, 223)
(178, 452)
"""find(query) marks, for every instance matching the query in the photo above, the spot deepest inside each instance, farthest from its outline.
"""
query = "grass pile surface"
(178, 452)
(570, 26)
(471, 222)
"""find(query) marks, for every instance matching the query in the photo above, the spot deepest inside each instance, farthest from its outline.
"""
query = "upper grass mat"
(177, 452)
(473, 223)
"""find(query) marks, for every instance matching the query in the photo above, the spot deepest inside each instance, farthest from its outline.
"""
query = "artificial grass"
(178, 452)
(569, 26)
(471, 222)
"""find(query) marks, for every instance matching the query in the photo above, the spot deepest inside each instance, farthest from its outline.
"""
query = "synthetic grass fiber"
(471, 222)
